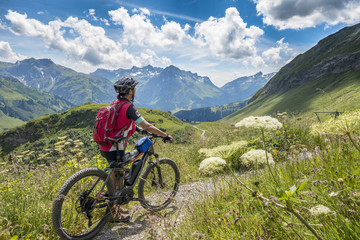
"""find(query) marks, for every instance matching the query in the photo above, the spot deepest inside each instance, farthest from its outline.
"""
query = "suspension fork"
(157, 165)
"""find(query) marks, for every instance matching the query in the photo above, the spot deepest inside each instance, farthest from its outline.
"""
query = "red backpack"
(105, 122)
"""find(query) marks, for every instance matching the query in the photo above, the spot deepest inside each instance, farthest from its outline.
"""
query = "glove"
(168, 138)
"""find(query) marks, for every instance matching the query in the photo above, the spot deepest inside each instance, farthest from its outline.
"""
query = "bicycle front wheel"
(159, 184)
(80, 209)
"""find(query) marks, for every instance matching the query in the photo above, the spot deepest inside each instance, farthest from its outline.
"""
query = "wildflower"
(320, 210)
(256, 156)
(223, 151)
(304, 155)
(212, 165)
(263, 122)
(346, 123)
(275, 152)
(333, 194)
(59, 143)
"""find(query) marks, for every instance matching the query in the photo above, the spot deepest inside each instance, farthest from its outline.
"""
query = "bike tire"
(65, 201)
(153, 196)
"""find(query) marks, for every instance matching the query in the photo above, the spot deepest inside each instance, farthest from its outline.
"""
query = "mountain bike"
(83, 204)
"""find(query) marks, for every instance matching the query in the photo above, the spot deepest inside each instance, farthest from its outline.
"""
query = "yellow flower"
(275, 152)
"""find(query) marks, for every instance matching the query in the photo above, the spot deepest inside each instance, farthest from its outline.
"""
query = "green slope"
(19, 103)
(339, 92)
(209, 114)
(325, 78)
(7, 122)
(80, 119)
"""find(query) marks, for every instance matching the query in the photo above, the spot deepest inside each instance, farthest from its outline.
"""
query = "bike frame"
(121, 170)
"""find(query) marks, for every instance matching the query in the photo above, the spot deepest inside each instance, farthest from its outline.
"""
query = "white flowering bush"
(263, 122)
(320, 210)
(256, 156)
(346, 123)
(212, 165)
(223, 151)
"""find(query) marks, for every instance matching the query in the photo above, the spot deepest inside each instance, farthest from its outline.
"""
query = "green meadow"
(309, 191)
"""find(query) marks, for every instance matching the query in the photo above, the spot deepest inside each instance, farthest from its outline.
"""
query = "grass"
(239, 206)
(31, 180)
(7, 122)
(311, 171)
(80, 119)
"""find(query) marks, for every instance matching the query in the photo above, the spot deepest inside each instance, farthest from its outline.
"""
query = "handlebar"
(151, 136)
(117, 140)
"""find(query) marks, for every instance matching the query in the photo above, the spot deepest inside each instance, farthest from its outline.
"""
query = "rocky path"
(145, 224)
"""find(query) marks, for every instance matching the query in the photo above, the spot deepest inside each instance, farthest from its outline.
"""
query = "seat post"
(117, 153)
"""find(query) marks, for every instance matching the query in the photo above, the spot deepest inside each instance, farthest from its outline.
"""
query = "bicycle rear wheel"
(159, 184)
(76, 212)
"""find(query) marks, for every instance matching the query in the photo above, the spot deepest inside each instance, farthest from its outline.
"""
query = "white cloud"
(274, 54)
(92, 12)
(138, 29)
(92, 16)
(90, 43)
(7, 54)
(228, 37)
(299, 14)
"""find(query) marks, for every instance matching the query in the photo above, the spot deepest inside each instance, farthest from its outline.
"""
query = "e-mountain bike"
(83, 204)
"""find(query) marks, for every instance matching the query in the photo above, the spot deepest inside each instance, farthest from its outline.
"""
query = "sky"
(221, 39)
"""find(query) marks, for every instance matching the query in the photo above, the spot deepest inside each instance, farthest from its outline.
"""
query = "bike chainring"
(124, 195)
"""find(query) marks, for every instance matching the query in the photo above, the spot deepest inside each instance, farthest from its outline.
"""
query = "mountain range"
(167, 89)
(174, 89)
(45, 75)
(324, 78)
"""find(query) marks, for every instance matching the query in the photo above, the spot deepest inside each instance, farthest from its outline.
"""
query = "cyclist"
(127, 121)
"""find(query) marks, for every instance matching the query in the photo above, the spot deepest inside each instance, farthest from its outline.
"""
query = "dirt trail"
(203, 132)
(145, 224)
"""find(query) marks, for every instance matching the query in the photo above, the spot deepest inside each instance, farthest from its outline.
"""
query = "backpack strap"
(117, 112)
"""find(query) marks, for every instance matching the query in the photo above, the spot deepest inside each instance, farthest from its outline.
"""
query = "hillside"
(19, 103)
(209, 114)
(78, 121)
(45, 75)
(325, 78)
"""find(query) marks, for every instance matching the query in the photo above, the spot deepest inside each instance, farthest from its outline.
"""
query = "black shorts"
(111, 156)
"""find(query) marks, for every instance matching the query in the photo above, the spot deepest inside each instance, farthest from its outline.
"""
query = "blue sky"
(221, 39)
